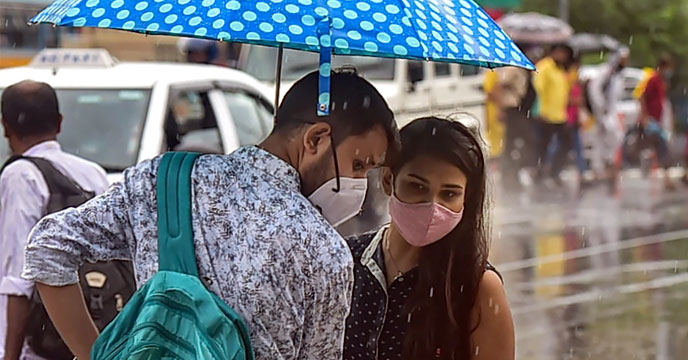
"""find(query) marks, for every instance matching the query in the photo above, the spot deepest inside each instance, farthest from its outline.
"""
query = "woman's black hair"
(450, 270)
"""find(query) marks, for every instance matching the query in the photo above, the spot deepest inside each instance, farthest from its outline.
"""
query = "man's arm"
(99, 230)
(325, 319)
(17, 317)
(66, 307)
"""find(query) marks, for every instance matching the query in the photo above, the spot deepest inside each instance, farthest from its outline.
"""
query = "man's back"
(24, 197)
(654, 97)
(260, 245)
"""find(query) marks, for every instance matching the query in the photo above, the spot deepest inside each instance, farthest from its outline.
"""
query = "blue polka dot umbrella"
(434, 30)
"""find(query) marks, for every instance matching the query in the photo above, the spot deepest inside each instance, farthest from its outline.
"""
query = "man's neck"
(29, 142)
(278, 145)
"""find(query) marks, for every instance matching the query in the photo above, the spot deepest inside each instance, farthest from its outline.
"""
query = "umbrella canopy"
(439, 30)
(586, 43)
(535, 28)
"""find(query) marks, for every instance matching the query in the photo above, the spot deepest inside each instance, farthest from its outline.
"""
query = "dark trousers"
(518, 146)
(548, 132)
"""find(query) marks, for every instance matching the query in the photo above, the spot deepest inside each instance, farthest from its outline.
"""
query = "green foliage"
(649, 28)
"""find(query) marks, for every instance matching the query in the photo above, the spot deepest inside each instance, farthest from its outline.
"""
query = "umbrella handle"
(325, 69)
(278, 78)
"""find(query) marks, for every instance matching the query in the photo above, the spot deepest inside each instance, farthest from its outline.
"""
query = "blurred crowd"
(542, 122)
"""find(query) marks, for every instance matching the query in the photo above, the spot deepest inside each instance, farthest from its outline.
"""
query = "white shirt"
(24, 199)
(260, 245)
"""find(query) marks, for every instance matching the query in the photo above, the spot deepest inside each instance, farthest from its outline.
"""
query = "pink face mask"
(422, 224)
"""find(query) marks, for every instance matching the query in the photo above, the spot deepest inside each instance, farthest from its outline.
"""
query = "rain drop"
(432, 291)
(496, 310)
(461, 290)
(477, 350)
(345, 105)
(489, 303)
(409, 318)
(366, 102)
(358, 151)
(434, 131)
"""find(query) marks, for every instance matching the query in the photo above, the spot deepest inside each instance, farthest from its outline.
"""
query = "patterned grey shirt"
(260, 245)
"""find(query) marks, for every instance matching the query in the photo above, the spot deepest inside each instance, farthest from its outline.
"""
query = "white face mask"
(338, 207)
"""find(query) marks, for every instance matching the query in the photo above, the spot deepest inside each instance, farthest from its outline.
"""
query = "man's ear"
(59, 124)
(315, 136)
(387, 179)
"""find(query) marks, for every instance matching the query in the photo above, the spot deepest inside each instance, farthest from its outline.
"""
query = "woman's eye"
(358, 165)
(417, 186)
(450, 195)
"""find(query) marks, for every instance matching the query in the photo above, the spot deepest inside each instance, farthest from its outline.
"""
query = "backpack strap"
(175, 230)
(57, 182)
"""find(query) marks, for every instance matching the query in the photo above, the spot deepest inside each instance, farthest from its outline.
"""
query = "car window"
(101, 125)
(252, 119)
(469, 70)
(442, 70)
(190, 123)
(261, 63)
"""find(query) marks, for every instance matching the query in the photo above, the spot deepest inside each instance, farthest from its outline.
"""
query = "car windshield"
(262, 62)
(101, 125)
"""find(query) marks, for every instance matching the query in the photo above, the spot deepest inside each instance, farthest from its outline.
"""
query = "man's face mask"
(340, 198)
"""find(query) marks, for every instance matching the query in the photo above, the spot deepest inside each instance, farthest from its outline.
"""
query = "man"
(606, 92)
(515, 107)
(31, 120)
(654, 108)
(199, 51)
(261, 245)
(553, 89)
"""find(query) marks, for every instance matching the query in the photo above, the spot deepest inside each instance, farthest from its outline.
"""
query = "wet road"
(594, 276)
(589, 275)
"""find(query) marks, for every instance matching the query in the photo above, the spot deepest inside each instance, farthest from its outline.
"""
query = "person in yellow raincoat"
(495, 125)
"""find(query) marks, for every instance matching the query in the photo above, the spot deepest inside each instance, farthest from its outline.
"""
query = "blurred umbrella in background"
(535, 28)
(589, 43)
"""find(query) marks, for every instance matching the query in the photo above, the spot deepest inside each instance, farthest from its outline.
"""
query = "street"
(596, 276)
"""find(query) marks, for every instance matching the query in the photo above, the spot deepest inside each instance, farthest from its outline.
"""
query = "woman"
(423, 288)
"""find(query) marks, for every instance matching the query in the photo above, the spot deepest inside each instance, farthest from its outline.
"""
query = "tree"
(649, 28)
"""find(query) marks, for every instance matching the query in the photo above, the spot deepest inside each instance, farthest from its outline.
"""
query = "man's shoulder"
(20, 170)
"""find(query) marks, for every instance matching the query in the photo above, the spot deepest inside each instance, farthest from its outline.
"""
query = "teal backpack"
(174, 316)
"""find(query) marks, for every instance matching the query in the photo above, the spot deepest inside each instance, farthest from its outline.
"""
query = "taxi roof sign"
(55, 58)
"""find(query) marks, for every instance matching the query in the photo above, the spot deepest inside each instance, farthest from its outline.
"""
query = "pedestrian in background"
(654, 105)
(424, 288)
(606, 92)
(553, 89)
(516, 97)
(31, 120)
(576, 116)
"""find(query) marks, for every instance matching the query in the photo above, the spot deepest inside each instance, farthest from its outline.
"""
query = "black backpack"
(528, 100)
(107, 286)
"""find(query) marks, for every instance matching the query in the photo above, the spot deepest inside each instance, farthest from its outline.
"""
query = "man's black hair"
(565, 47)
(356, 108)
(30, 108)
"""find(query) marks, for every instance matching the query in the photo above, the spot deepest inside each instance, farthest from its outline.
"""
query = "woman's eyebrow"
(453, 186)
(419, 178)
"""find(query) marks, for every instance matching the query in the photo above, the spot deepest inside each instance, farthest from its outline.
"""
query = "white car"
(118, 114)
(412, 88)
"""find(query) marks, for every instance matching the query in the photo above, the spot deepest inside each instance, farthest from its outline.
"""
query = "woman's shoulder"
(491, 268)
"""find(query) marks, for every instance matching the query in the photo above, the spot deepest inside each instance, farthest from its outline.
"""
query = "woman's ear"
(387, 179)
